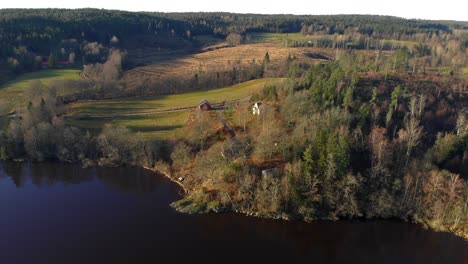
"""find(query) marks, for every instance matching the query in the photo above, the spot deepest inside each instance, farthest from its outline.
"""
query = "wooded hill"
(29, 36)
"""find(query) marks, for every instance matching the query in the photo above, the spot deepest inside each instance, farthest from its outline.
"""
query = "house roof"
(204, 102)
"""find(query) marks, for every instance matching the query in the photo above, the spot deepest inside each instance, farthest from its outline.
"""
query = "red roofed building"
(204, 105)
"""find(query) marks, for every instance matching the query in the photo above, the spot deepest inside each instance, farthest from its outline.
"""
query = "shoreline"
(167, 176)
(283, 216)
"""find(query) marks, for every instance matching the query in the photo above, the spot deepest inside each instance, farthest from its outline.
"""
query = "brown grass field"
(222, 59)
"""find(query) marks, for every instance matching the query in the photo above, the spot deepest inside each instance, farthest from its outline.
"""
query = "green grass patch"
(162, 126)
(132, 105)
(275, 38)
(281, 38)
(44, 76)
(159, 125)
(400, 43)
(11, 92)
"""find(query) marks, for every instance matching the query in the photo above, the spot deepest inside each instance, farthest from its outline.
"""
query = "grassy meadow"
(281, 38)
(400, 43)
(276, 38)
(156, 125)
(168, 102)
(11, 92)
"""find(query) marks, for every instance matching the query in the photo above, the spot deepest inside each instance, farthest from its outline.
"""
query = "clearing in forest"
(11, 92)
(157, 117)
(219, 60)
(132, 106)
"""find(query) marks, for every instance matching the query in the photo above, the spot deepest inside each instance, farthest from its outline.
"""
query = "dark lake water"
(54, 213)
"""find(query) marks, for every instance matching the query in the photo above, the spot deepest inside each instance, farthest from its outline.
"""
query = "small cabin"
(205, 105)
(256, 108)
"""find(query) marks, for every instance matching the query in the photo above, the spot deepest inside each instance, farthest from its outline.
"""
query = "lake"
(57, 213)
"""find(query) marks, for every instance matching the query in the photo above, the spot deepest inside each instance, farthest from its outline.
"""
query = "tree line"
(29, 37)
(39, 133)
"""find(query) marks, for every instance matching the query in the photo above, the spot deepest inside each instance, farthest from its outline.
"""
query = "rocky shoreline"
(188, 206)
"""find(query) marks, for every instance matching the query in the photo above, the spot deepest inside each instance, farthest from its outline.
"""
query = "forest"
(370, 119)
(82, 36)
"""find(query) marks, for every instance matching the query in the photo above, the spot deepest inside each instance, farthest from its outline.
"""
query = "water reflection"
(56, 213)
(121, 179)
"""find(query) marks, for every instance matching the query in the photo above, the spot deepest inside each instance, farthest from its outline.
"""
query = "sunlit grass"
(11, 92)
(159, 125)
(132, 105)
(281, 38)
(44, 76)
(276, 38)
(400, 43)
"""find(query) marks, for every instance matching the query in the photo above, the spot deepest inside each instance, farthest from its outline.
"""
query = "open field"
(281, 38)
(277, 38)
(160, 103)
(160, 126)
(400, 43)
(11, 92)
(219, 60)
(142, 114)
(44, 76)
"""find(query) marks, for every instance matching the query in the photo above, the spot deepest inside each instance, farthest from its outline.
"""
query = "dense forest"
(82, 36)
(224, 23)
(378, 131)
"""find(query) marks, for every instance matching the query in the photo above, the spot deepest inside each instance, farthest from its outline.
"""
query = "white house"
(256, 108)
